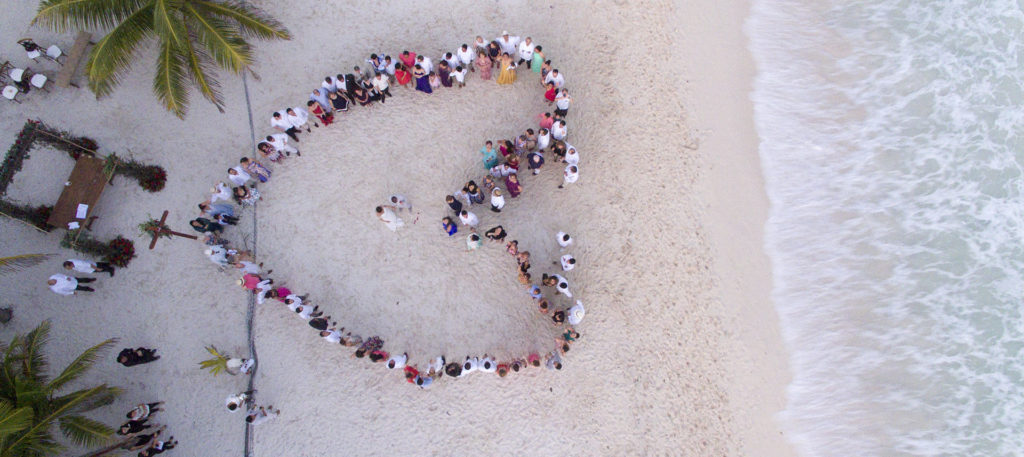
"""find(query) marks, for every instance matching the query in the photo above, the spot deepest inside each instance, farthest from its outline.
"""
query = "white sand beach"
(679, 354)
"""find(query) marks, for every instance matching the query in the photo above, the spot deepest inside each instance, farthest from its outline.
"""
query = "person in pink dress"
(546, 121)
(408, 59)
(483, 63)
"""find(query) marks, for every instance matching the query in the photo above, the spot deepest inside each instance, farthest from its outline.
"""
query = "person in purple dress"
(422, 81)
(445, 72)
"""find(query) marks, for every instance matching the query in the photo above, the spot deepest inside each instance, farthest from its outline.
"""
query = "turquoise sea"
(893, 152)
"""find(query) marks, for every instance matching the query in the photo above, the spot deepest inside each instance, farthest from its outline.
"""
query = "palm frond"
(20, 262)
(223, 42)
(80, 365)
(84, 431)
(13, 420)
(111, 57)
(252, 22)
(33, 362)
(170, 78)
(200, 65)
(96, 399)
(38, 431)
(167, 22)
(64, 15)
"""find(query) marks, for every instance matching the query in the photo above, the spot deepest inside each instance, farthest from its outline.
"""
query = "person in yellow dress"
(508, 70)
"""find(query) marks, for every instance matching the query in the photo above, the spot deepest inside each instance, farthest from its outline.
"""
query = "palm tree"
(19, 262)
(31, 403)
(193, 35)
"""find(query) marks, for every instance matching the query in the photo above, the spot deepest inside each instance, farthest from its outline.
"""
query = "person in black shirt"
(131, 357)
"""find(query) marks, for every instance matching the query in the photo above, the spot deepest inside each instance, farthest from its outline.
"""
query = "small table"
(87, 181)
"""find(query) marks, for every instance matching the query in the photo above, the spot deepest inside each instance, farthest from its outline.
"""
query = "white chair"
(39, 80)
(17, 73)
(11, 93)
(34, 54)
(54, 53)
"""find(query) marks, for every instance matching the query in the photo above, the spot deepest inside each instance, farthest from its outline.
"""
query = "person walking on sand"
(473, 242)
(256, 416)
(571, 175)
(279, 122)
(564, 240)
(469, 219)
(86, 266)
(67, 285)
(389, 218)
(236, 401)
(568, 262)
(399, 203)
(497, 200)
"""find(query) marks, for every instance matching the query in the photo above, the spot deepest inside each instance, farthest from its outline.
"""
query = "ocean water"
(893, 150)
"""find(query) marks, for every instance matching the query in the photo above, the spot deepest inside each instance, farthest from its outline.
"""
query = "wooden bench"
(67, 72)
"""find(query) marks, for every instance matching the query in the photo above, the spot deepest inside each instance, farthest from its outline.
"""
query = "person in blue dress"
(422, 81)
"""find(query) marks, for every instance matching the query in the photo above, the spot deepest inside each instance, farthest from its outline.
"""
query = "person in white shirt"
(236, 401)
(568, 262)
(299, 118)
(238, 176)
(564, 240)
(562, 101)
(466, 55)
(558, 282)
(330, 84)
(85, 266)
(380, 83)
(508, 43)
(560, 130)
(460, 76)
(399, 202)
(217, 254)
(571, 175)
(469, 218)
(261, 290)
(397, 362)
(556, 78)
(487, 364)
(67, 285)
(572, 156)
(279, 122)
(553, 361)
(425, 63)
(260, 415)
(543, 139)
(470, 365)
(497, 200)
(451, 59)
(279, 142)
(576, 313)
(502, 170)
(306, 312)
(526, 51)
(331, 335)
(220, 191)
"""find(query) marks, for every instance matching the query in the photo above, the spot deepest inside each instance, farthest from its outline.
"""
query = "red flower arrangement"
(122, 250)
(153, 178)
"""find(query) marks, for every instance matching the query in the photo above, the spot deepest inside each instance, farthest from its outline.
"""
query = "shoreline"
(735, 206)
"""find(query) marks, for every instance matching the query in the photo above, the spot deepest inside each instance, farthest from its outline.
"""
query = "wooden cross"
(161, 230)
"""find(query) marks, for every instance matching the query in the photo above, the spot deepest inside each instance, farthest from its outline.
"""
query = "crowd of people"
(369, 85)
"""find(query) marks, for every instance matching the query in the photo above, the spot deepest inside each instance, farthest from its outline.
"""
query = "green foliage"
(31, 403)
(216, 365)
(193, 36)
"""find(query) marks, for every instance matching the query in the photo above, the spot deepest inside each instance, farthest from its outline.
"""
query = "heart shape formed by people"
(422, 291)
